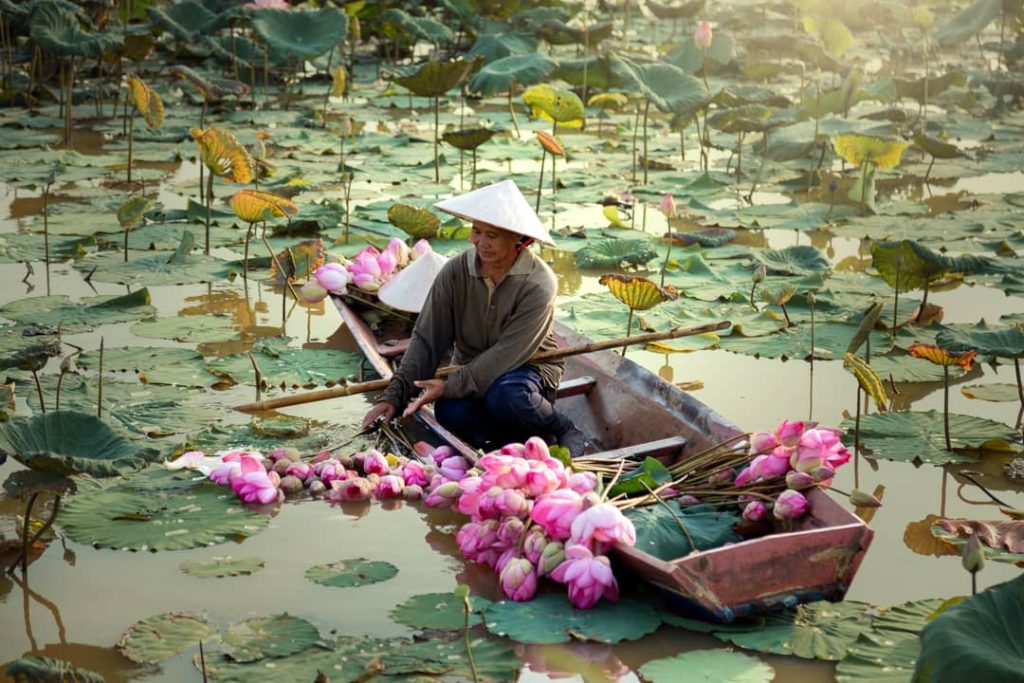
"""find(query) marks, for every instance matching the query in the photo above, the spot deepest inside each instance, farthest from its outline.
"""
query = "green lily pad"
(66, 442)
(155, 268)
(665, 85)
(28, 246)
(830, 342)
(612, 253)
(35, 668)
(708, 665)
(414, 221)
(910, 617)
(906, 368)
(282, 365)
(79, 316)
(795, 260)
(919, 436)
(658, 530)
(996, 393)
(260, 637)
(817, 630)
(977, 640)
(157, 638)
(351, 573)
(1007, 342)
(502, 74)
(220, 567)
(441, 611)
(121, 516)
(196, 329)
(435, 78)
(303, 34)
(174, 366)
(551, 618)
(880, 656)
(26, 482)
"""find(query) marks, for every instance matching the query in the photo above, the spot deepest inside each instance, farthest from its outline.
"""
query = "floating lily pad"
(919, 436)
(174, 366)
(282, 365)
(551, 618)
(220, 567)
(996, 393)
(880, 656)
(442, 611)
(817, 630)
(830, 342)
(157, 268)
(708, 665)
(303, 34)
(910, 617)
(351, 573)
(157, 638)
(905, 368)
(612, 253)
(35, 668)
(795, 260)
(78, 316)
(197, 329)
(260, 637)
(658, 532)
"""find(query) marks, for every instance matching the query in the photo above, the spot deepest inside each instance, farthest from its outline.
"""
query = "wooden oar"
(381, 384)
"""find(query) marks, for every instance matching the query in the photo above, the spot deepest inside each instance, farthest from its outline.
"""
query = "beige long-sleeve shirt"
(493, 329)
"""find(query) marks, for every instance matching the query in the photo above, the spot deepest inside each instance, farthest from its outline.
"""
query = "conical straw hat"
(501, 205)
(407, 290)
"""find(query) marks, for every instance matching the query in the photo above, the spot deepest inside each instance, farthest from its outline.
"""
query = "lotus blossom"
(413, 473)
(762, 442)
(540, 480)
(302, 470)
(770, 466)
(602, 523)
(374, 462)
(703, 35)
(257, 486)
(475, 537)
(400, 251)
(412, 492)
(589, 578)
(443, 495)
(236, 463)
(745, 477)
(789, 432)
(755, 511)
(519, 579)
(351, 489)
(556, 511)
(506, 471)
(818, 447)
(472, 489)
(334, 277)
(455, 468)
(668, 205)
(791, 505)
(582, 482)
(534, 543)
(390, 486)
(442, 453)
(195, 460)
(421, 248)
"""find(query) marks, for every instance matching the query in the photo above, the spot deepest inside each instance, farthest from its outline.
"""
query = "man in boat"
(494, 304)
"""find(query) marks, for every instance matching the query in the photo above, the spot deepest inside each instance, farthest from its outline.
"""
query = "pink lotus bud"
(389, 486)
(533, 544)
(285, 454)
(514, 449)
(791, 505)
(347, 461)
(333, 277)
(519, 580)
(551, 557)
(374, 462)
(789, 432)
(454, 468)
(555, 512)
(762, 442)
(745, 477)
(814, 448)
(281, 466)
(755, 511)
(421, 248)
(765, 467)
(668, 205)
(514, 504)
(603, 523)
(589, 578)
(313, 292)
(366, 262)
(442, 453)
(722, 477)
(824, 473)
(387, 261)
(798, 481)
(414, 474)
(291, 484)
(582, 482)
(400, 250)
(302, 470)
(353, 489)
(703, 35)
(540, 480)
(686, 500)
(257, 486)
(536, 448)
(412, 492)
(320, 457)
(863, 499)
(510, 530)
(443, 495)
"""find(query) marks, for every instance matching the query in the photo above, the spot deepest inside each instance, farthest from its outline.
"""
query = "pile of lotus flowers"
(366, 271)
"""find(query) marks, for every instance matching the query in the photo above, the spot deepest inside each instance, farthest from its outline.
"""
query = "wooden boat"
(629, 412)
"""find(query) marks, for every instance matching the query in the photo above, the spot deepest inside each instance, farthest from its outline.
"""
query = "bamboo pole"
(381, 384)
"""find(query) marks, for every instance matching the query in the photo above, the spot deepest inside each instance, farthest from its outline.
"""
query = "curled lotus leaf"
(940, 356)
(557, 105)
(223, 154)
(859, 149)
(1004, 342)
(867, 378)
(612, 253)
(835, 37)
(608, 100)
(1006, 535)
(131, 212)
(254, 206)
(919, 538)
(434, 78)
(146, 101)
(57, 32)
(188, 20)
(748, 118)
(937, 148)
(911, 265)
(338, 79)
(210, 87)
(638, 293)
(664, 85)
(157, 638)
(500, 75)
(415, 221)
(302, 34)
(550, 144)
(468, 138)
(556, 32)
(261, 637)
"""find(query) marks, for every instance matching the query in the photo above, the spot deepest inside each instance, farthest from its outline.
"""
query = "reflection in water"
(564, 265)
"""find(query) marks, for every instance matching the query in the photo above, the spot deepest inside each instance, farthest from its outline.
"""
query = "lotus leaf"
(638, 293)
(351, 573)
(748, 118)
(666, 86)
(67, 442)
(157, 638)
(977, 640)
(153, 269)
(440, 611)
(909, 369)
(31, 247)
(612, 253)
(188, 20)
(832, 33)
(868, 379)
(1006, 342)
(794, 260)
(601, 72)
(146, 101)
(36, 668)
(920, 264)
(908, 618)
(919, 436)
(131, 212)
(24, 483)
(222, 153)
(195, 329)
(557, 32)
(266, 434)
(996, 393)
(419, 28)
(708, 665)
(550, 618)
(830, 342)
(880, 656)
(434, 78)
(495, 46)
(181, 367)
(558, 105)
(416, 222)
(260, 637)
(122, 516)
(70, 316)
(859, 149)
(492, 660)
(254, 206)
(220, 567)
(281, 365)
(658, 529)
(56, 30)
(942, 357)
(469, 138)
(967, 22)
(211, 88)
(817, 630)
(708, 238)
(502, 74)
(302, 34)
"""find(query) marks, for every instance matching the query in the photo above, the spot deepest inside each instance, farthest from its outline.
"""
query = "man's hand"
(382, 408)
(433, 389)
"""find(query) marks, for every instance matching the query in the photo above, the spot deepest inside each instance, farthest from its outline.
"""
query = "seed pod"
(973, 557)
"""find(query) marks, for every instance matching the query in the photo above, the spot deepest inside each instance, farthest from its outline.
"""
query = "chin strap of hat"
(524, 243)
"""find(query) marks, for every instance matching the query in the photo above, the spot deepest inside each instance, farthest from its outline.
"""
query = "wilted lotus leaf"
(748, 118)
(165, 635)
(502, 74)
(338, 81)
(254, 206)
(413, 220)
(56, 31)
(469, 138)
(210, 87)
(638, 293)
(223, 154)
(859, 149)
(914, 265)
(999, 535)
(550, 144)
(611, 253)
(131, 212)
(298, 260)
(434, 79)
(261, 637)
(832, 33)
(608, 100)
(939, 356)
(302, 34)
(557, 105)
(146, 101)
(867, 378)
(36, 668)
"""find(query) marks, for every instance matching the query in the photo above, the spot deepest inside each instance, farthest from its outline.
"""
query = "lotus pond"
(828, 162)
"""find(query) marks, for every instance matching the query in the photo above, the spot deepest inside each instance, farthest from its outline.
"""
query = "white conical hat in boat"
(407, 290)
(501, 205)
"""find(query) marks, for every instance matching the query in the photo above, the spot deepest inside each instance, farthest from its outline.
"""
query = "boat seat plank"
(575, 386)
(653, 449)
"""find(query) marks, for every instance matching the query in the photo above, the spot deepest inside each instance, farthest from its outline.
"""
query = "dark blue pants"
(515, 407)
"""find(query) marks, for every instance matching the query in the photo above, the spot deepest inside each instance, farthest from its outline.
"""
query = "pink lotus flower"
(755, 511)
(703, 35)
(551, 557)
(589, 578)
(236, 464)
(194, 460)
(582, 482)
(291, 454)
(668, 205)
(686, 500)
(400, 250)
(555, 512)
(333, 277)
(421, 248)
(335, 472)
(374, 462)
(512, 503)
(414, 474)
(791, 505)
(769, 466)
(822, 474)
(602, 523)
(387, 262)
(390, 486)
(725, 476)
(472, 489)
(366, 262)
(536, 448)
(506, 471)
(475, 537)
(540, 480)
(511, 530)
(519, 579)
(487, 504)
(352, 489)
(302, 470)
(455, 468)
(789, 433)
(443, 495)
(257, 486)
(291, 484)
(819, 447)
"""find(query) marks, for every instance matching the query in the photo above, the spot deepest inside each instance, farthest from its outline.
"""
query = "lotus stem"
(99, 379)
(629, 330)
(202, 655)
(287, 282)
(896, 302)
(924, 303)
(1020, 386)
(46, 234)
(668, 255)
(554, 173)
(739, 156)
(327, 95)
(863, 187)
(437, 113)
(209, 204)
(511, 109)
(67, 110)
(257, 375)
(789, 322)
(245, 262)
(647, 107)
(466, 609)
(131, 142)
(753, 288)
(682, 143)
(23, 555)
(32, 78)
(473, 182)
(341, 164)
(636, 131)
(39, 388)
(540, 182)
(945, 405)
